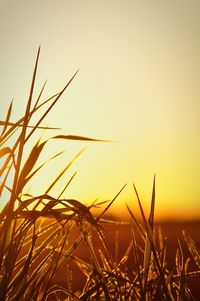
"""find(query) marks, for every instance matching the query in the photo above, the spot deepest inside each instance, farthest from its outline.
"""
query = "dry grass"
(36, 233)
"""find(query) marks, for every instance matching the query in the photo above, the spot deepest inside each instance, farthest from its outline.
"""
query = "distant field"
(171, 229)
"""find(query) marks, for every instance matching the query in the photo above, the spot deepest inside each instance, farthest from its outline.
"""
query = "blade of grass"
(17, 124)
(37, 169)
(29, 164)
(59, 176)
(51, 106)
(3, 183)
(23, 136)
(53, 270)
(7, 118)
(96, 264)
(4, 151)
(147, 251)
(57, 288)
(139, 227)
(29, 126)
(149, 233)
(135, 251)
(79, 138)
(64, 189)
(181, 291)
(39, 97)
(22, 276)
(193, 248)
(63, 171)
(104, 211)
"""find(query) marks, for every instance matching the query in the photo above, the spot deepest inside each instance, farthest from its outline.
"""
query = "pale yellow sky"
(138, 84)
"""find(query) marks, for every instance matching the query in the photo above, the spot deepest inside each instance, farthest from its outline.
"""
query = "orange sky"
(138, 84)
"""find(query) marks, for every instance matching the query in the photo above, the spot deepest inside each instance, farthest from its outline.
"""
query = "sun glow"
(138, 85)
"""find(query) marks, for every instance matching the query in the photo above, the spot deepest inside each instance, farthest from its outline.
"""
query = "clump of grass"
(35, 232)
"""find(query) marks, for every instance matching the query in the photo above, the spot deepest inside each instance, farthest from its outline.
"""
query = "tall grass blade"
(63, 171)
(104, 211)
(64, 189)
(52, 105)
(7, 118)
(3, 183)
(96, 265)
(137, 263)
(23, 136)
(39, 96)
(182, 284)
(55, 265)
(150, 237)
(147, 251)
(139, 227)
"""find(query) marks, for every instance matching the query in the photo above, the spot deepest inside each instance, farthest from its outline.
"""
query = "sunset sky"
(138, 84)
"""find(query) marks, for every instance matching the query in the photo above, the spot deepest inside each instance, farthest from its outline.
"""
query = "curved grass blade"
(4, 151)
(80, 138)
(59, 176)
(57, 288)
(29, 164)
(37, 169)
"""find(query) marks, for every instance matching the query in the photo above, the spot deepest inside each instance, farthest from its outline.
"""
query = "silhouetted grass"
(37, 240)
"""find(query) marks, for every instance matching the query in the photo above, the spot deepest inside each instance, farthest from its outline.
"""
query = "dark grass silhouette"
(56, 249)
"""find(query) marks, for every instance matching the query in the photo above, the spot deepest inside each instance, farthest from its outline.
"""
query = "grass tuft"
(43, 237)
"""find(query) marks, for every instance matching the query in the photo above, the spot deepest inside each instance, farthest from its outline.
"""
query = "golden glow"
(138, 84)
